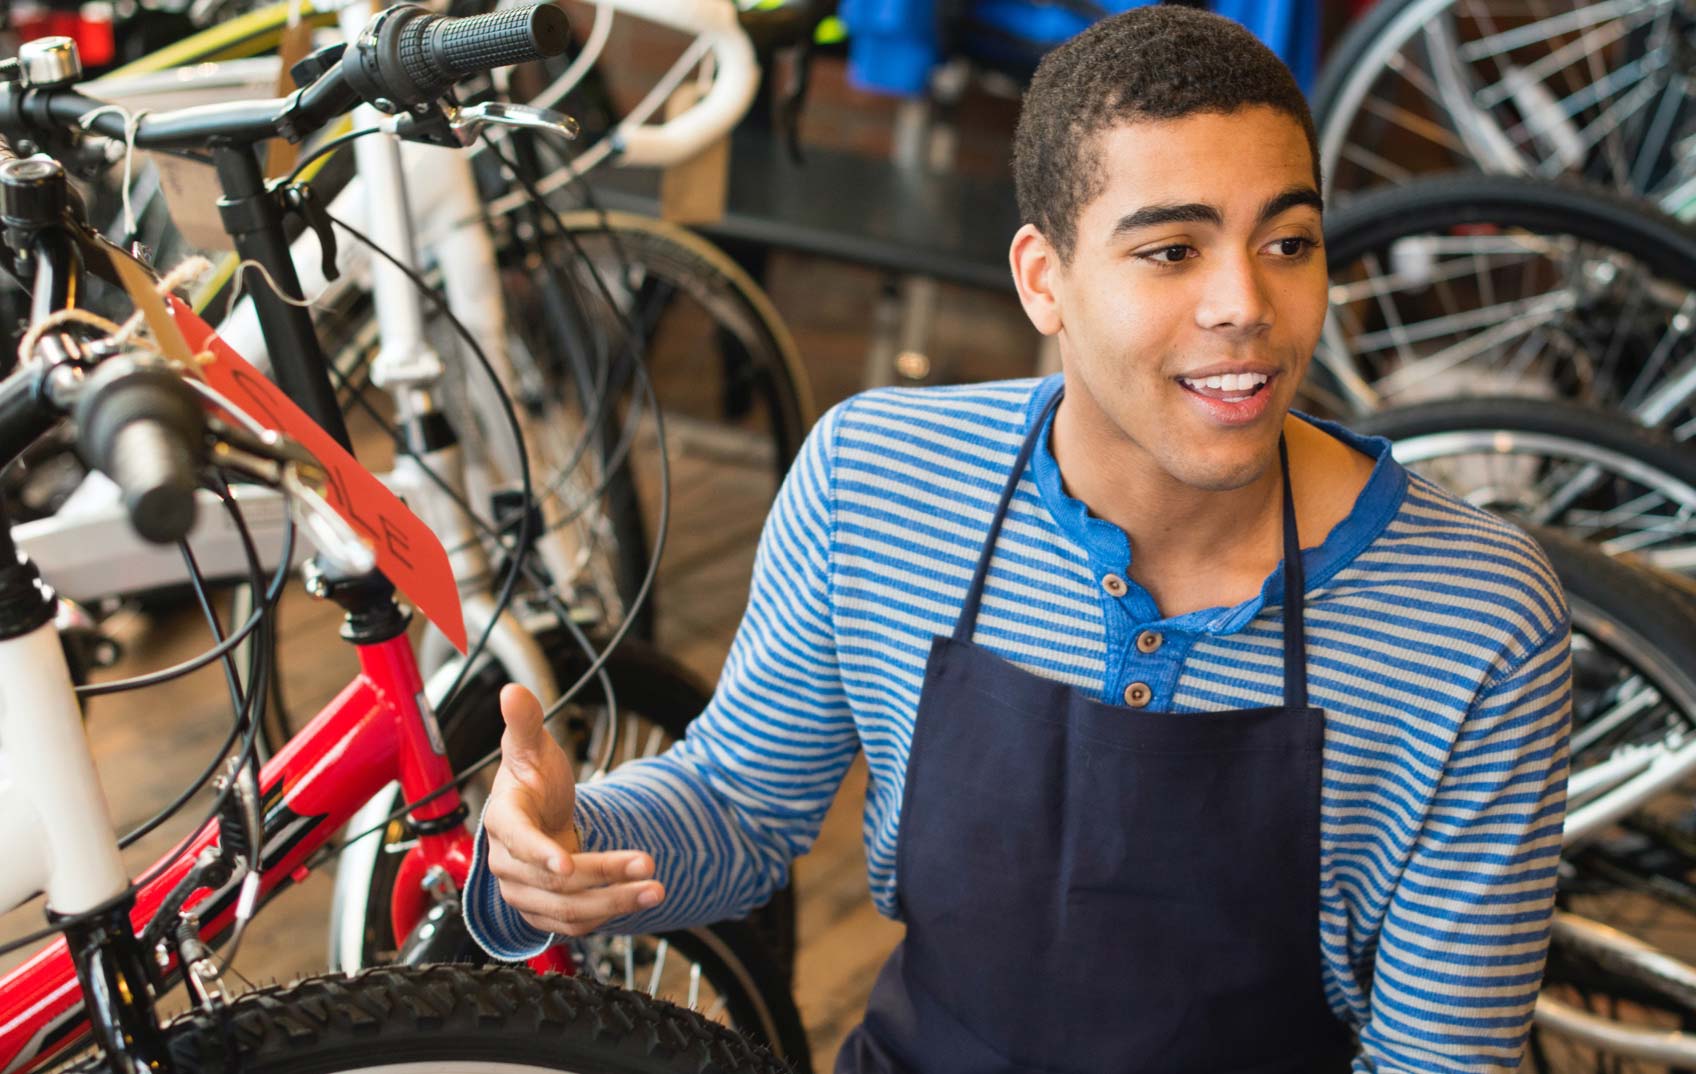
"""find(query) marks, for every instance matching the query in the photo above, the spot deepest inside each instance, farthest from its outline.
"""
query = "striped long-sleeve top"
(1438, 645)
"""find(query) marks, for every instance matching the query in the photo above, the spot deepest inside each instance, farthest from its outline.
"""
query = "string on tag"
(131, 121)
(32, 338)
(276, 289)
(191, 269)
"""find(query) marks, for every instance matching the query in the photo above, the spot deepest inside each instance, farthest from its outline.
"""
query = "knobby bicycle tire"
(454, 1020)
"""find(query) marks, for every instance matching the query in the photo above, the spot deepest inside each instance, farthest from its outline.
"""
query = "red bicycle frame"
(378, 729)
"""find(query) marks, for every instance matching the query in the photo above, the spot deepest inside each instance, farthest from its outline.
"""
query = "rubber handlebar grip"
(145, 430)
(437, 51)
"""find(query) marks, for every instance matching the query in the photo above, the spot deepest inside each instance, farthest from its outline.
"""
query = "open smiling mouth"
(1229, 387)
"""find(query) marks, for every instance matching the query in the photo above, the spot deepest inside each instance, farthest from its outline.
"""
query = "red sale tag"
(408, 552)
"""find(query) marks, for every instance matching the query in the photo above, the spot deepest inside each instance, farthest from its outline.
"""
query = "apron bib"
(1100, 889)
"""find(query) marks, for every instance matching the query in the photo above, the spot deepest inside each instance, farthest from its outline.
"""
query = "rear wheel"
(1542, 89)
(727, 375)
(1588, 472)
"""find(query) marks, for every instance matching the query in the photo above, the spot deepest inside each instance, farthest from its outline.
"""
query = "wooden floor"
(149, 744)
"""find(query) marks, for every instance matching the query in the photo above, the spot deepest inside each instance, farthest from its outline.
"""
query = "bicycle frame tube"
(375, 731)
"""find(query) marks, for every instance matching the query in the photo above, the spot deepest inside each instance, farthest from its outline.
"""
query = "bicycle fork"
(55, 824)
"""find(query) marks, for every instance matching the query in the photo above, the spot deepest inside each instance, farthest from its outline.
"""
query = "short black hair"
(1163, 61)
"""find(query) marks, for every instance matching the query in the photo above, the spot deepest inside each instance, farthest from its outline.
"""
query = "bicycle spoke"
(1544, 29)
(1555, 62)
(1458, 354)
(659, 968)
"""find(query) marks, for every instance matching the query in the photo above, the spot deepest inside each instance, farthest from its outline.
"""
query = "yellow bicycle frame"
(252, 34)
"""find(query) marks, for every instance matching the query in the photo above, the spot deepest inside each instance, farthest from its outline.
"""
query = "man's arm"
(1461, 953)
(724, 811)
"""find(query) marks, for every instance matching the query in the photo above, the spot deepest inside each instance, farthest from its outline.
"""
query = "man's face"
(1196, 291)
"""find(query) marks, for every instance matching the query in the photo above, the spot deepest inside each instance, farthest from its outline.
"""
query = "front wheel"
(456, 1020)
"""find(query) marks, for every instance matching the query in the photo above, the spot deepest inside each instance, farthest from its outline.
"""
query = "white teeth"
(1229, 382)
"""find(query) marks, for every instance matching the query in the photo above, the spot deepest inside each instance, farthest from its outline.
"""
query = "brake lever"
(338, 543)
(458, 126)
(277, 461)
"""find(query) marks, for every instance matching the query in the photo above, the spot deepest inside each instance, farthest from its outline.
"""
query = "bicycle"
(668, 267)
(379, 726)
(631, 256)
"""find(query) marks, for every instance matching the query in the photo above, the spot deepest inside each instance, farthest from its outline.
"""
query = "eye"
(1293, 247)
(1170, 255)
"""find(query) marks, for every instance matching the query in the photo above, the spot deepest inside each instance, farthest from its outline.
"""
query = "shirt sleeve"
(724, 811)
(1466, 934)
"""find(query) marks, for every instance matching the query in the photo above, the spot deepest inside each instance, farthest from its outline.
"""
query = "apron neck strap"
(1295, 595)
(968, 621)
(1295, 579)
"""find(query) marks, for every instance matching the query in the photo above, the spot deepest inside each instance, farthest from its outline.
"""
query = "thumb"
(526, 742)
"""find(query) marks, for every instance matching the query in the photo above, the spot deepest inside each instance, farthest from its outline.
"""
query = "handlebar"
(143, 427)
(405, 57)
(736, 78)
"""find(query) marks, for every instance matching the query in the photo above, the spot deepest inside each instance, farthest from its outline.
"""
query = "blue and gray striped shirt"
(1437, 644)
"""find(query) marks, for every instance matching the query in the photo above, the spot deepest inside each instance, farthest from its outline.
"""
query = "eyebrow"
(1196, 212)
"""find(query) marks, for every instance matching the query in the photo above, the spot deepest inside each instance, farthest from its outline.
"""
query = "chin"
(1226, 473)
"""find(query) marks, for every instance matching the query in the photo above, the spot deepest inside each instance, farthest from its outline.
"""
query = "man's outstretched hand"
(533, 850)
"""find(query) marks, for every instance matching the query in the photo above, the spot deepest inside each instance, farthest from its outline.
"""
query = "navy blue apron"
(1096, 888)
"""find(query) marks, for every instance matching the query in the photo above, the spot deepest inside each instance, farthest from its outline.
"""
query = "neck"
(1176, 531)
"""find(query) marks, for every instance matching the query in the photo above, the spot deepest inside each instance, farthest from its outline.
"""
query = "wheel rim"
(1596, 494)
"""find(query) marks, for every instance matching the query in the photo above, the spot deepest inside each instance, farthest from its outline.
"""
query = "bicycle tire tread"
(455, 1011)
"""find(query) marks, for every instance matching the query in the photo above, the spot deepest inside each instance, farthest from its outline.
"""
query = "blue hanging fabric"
(1288, 27)
(894, 45)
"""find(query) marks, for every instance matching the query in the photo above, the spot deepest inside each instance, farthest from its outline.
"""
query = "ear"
(1036, 270)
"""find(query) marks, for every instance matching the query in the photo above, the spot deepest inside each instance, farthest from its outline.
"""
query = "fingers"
(582, 872)
(584, 912)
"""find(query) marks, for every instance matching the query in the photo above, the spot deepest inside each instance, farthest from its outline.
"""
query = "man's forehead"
(1243, 158)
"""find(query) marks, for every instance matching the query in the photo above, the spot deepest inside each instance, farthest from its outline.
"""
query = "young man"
(1150, 790)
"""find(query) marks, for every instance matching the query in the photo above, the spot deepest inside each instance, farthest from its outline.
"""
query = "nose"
(1234, 298)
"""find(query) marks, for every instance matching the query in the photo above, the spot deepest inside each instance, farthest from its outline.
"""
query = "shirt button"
(1149, 641)
(1114, 585)
(1138, 694)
